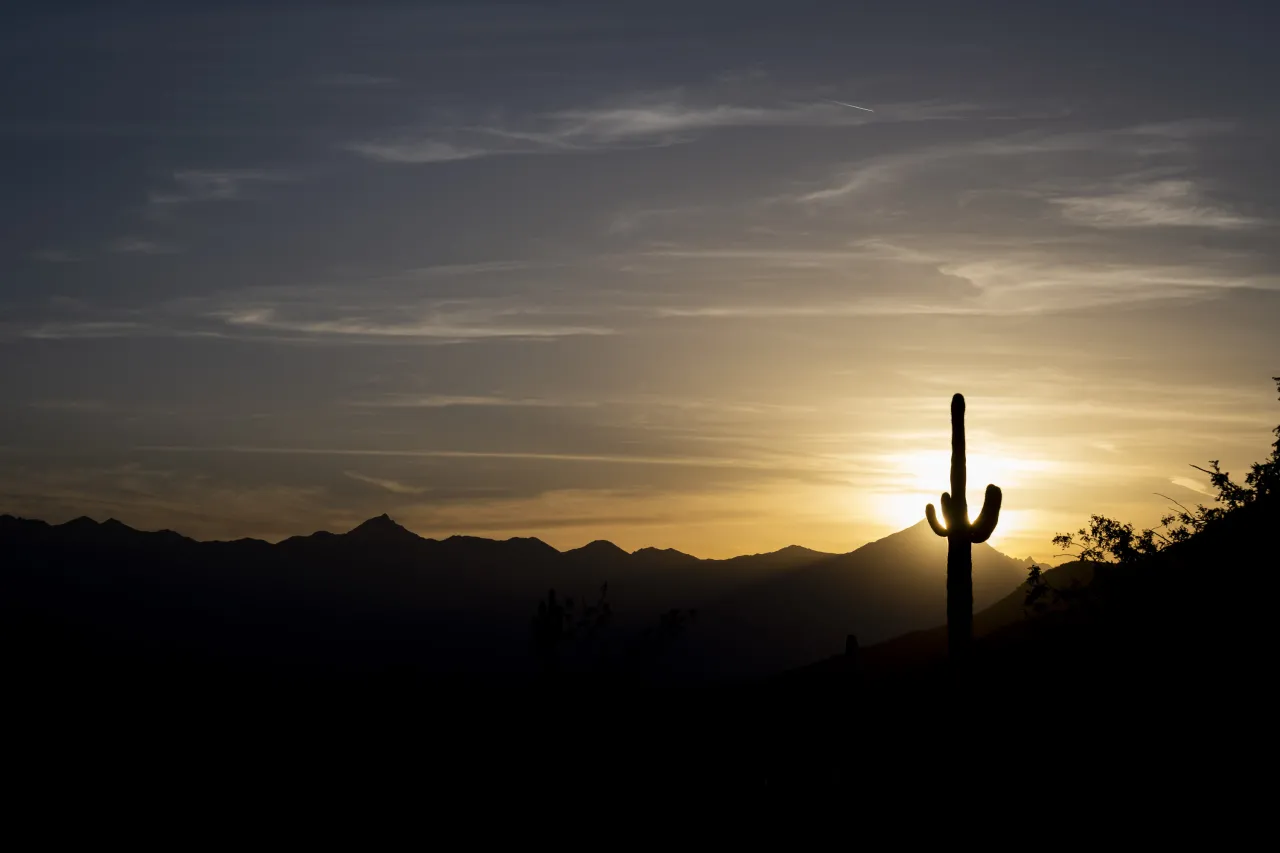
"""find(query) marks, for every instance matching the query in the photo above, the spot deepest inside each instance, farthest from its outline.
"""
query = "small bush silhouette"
(555, 626)
(582, 643)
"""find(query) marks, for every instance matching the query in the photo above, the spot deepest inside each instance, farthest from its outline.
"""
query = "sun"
(920, 477)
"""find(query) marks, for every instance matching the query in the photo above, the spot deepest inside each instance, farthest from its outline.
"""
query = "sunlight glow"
(925, 475)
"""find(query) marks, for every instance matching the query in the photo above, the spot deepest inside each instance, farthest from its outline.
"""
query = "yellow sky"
(769, 476)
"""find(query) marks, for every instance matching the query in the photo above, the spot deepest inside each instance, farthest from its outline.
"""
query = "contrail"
(843, 104)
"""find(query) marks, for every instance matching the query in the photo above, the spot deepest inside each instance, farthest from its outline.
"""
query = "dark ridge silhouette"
(377, 601)
(930, 646)
(883, 589)
(667, 556)
(381, 601)
(600, 549)
(961, 536)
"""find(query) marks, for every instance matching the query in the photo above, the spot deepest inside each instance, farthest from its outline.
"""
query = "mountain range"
(379, 599)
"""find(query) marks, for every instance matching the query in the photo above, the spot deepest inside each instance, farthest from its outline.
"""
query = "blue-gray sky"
(625, 270)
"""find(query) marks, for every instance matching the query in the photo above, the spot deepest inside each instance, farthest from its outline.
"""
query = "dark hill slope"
(1183, 625)
(883, 589)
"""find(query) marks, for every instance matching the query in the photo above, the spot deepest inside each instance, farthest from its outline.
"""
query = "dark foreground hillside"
(1187, 624)
(1177, 645)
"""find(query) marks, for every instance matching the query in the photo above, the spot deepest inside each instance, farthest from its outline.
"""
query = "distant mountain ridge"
(383, 531)
(381, 596)
(383, 528)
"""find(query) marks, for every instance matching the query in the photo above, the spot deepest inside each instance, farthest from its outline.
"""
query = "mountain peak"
(796, 549)
(664, 554)
(382, 527)
(597, 549)
(529, 545)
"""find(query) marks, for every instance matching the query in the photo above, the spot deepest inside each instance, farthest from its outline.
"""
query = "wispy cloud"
(789, 257)
(1006, 283)
(90, 329)
(445, 401)
(207, 185)
(652, 120)
(1167, 203)
(619, 459)
(1138, 141)
(1047, 280)
(1192, 485)
(673, 119)
(774, 310)
(69, 405)
(422, 151)
(436, 326)
(99, 329)
(628, 222)
(477, 268)
(393, 486)
(139, 246)
(327, 318)
(355, 80)
(54, 256)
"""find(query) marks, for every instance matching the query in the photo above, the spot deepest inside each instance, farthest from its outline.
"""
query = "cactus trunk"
(961, 536)
(959, 548)
(959, 598)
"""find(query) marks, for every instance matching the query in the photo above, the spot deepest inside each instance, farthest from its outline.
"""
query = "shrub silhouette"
(577, 644)
(961, 535)
(549, 628)
(555, 626)
(1118, 552)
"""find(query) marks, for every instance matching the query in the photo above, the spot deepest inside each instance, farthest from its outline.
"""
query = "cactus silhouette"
(961, 536)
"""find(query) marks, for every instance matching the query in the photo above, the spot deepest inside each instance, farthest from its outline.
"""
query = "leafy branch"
(1106, 542)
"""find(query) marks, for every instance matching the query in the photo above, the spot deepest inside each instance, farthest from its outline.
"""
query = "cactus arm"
(981, 530)
(932, 516)
(949, 513)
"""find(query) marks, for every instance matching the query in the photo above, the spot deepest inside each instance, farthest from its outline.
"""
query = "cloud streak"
(140, 246)
(438, 327)
(54, 256)
(1144, 140)
(617, 459)
(445, 401)
(393, 486)
(651, 121)
(211, 185)
(417, 151)
(1169, 203)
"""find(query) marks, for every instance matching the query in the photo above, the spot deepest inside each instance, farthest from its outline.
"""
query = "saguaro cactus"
(961, 535)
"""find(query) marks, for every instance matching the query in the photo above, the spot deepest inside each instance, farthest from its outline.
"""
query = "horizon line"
(490, 539)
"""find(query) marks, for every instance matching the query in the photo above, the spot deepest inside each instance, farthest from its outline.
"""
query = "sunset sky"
(626, 271)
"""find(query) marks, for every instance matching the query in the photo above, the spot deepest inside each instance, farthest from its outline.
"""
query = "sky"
(628, 270)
